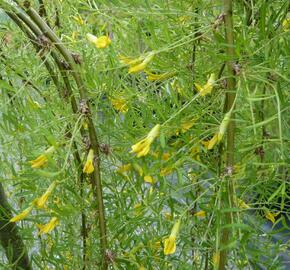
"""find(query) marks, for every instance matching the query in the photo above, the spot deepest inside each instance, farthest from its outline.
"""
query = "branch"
(9, 237)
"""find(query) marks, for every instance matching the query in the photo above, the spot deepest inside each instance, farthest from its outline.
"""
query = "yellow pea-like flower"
(149, 179)
(120, 104)
(124, 168)
(165, 156)
(46, 228)
(22, 215)
(166, 171)
(79, 20)
(100, 42)
(208, 87)
(170, 242)
(271, 216)
(286, 24)
(138, 169)
(142, 148)
(216, 259)
(138, 64)
(41, 201)
(241, 204)
(159, 77)
(89, 165)
(186, 125)
(200, 214)
(222, 130)
(41, 160)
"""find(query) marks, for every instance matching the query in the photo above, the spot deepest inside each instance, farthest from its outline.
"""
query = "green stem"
(96, 175)
(229, 103)
(37, 32)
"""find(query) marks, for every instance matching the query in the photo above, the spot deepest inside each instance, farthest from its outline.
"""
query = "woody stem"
(229, 102)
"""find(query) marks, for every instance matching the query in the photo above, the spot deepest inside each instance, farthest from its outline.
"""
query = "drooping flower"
(159, 77)
(124, 168)
(241, 204)
(46, 228)
(271, 216)
(166, 171)
(200, 214)
(41, 201)
(100, 42)
(170, 242)
(222, 130)
(149, 179)
(74, 36)
(195, 151)
(165, 156)
(207, 88)
(137, 64)
(286, 24)
(138, 209)
(34, 104)
(120, 104)
(141, 66)
(168, 216)
(186, 125)
(89, 166)
(22, 215)
(138, 169)
(216, 259)
(128, 60)
(142, 148)
(79, 19)
(41, 160)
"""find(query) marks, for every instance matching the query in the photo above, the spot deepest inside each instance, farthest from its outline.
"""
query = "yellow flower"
(34, 104)
(120, 104)
(85, 125)
(89, 166)
(40, 202)
(138, 209)
(159, 77)
(46, 228)
(166, 171)
(241, 204)
(100, 42)
(200, 213)
(142, 148)
(42, 159)
(142, 267)
(79, 20)
(124, 168)
(213, 141)
(137, 64)
(168, 216)
(170, 242)
(74, 35)
(22, 215)
(186, 125)
(286, 24)
(165, 156)
(270, 216)
(138, 169)
(207, 88)
(129, 61)
(222, 130)
(216, 259)
(149, 179)
(194, 151)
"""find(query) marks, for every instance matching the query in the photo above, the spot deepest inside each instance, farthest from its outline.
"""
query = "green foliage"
(188, 41)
